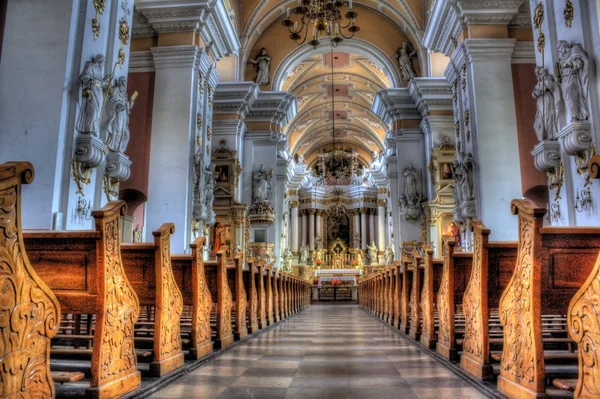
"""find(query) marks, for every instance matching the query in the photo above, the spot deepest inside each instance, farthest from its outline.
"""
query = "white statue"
(318, 243)
(546, 121)
(468, 172)
(262, 185)
(286, 260)
(93, 83)
(304, 254)
(389, 255)
(410, 183)
(262, 64)
(237, 249)
(209, 188)
(373, 253)
(404, 57)
(356, 240)
(199, 193)
(573, 63)
(117, 125)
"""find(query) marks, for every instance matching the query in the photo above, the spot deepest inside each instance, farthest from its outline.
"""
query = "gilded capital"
(382, 203)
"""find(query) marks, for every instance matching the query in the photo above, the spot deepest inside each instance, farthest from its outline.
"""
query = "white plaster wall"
(35, 80)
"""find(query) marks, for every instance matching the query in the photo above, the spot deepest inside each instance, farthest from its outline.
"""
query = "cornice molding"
(392, 105)
(141, 61)
(431, 94)
(176, 56)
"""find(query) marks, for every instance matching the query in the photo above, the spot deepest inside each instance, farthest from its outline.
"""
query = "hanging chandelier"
(324, 17)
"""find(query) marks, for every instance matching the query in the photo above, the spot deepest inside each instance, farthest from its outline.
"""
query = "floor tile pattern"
(327, 351)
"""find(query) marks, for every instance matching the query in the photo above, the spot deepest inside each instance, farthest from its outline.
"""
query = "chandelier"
(325, 18)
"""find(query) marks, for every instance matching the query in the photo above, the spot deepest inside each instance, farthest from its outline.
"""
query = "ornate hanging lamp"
(325, 19)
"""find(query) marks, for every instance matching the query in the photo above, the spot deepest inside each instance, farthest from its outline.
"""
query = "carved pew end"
(115, 388)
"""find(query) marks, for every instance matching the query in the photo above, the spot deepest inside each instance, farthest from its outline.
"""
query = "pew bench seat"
(565, 384)
(63, 377)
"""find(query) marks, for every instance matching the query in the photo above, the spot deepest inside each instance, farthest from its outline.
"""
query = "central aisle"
(326, 351)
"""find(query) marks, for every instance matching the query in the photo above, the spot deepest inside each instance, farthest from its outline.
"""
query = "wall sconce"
(583, 200)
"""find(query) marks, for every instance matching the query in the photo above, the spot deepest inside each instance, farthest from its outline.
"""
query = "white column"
(173, 141)
(319, 231)
(372, 238)
(303, 227)
(356, 221)
(295, 227)
(495, 140)
(311, 229)
(363, 228)
(381, 223)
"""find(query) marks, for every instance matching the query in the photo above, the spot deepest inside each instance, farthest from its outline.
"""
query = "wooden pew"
(262, 295)
(222, 297)
(269, 284)
(148, 267)
(404, 297)
(275, 282)
(252, 297)
(85, 271)
(543, 280)
(397, 292)
(241, 301)
(191, 278)
(29, 311)
(428, 335)
(415, 299)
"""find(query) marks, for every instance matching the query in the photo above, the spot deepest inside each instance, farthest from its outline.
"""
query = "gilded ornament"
(82, 174)
(457, 128)
(556, 180)
(468, 136)
(464, 77)
(538, 15)
(199, 121)
(99, 6)
(466, 116)
(569, 13)
(110, 187)
(208, 133)
(541, 43)
(582, 162)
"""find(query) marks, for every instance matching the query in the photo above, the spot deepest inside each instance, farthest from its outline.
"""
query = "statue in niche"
(356, 240)
(546, 118)
(93, 83)
(373, 254)
(262, 185)
(404, 57)
(410, 201)
(117, 125)
(318, 243)
(304, 254)
(262, 64)
(573, 65)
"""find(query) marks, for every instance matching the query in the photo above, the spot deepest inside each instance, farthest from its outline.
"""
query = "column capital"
(363, 211)
(312, 211)
(381, 203)
(294, 204)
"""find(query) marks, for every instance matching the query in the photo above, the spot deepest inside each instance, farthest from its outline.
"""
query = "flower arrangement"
(336, 282)
(319, 262)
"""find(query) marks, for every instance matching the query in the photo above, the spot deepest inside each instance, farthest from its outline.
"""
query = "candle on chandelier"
(289, 11)
(350, 4)
(296, 26)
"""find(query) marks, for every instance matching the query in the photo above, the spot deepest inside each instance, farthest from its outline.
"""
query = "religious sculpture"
(286, 260)
(237, 249)
(262, 185)
(410, 200)
(318, 243)
(137, 234)
(454, 231)
(573, 64)
(93, 83)
(464, 191)
(389, 255)
(373, 254)
(262, 64)
(117, 109)
(359, 259)
(209, 180)
(356, 240)
(404, 57)
(199, 194)
(546, 121)
(304, 254)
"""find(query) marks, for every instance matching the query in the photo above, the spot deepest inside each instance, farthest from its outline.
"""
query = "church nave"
(324, 352)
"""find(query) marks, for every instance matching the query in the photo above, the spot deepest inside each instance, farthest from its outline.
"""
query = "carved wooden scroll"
(428, 324)
(415, 293)
(240, 299)
(522, 365)
(584, 328)
(262, 297)
(476, 352)
(404, 312)
(169, 307)
(114, 363)
(201, 341)
(446, 344)
(224, 305)
(29, 311)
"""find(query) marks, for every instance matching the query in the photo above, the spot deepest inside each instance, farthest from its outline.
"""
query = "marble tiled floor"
(328, 352)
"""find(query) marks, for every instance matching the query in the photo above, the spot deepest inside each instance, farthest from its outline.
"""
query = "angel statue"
(262, 64)
(404, 57)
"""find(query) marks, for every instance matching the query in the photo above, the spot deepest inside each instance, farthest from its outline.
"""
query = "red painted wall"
(140, 126)
(524, 81)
